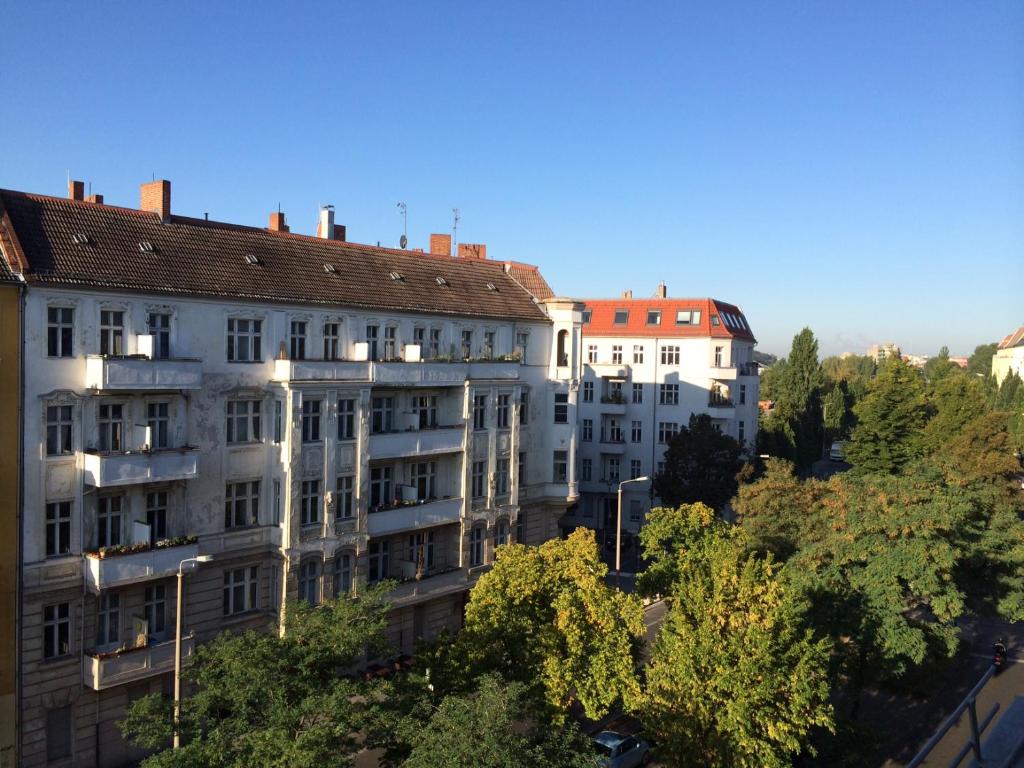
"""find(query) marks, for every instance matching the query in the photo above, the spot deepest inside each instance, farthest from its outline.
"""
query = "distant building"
(881, 351)
(1009, 357)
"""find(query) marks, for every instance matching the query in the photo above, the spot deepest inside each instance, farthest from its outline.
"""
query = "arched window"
(563, 354)
(343, 574)
(501, 533)
(476, 546)
(309, 582)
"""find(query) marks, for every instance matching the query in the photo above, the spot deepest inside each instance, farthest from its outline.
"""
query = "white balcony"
(141, 373)
(429, 587)
(424, 442)
(102, 671)
(608, 445)
(613, 371)
(108, 470)
(400, 374)
(321, 370)
(414, 516)
(722, 372)
(118, 570)
(556, 492)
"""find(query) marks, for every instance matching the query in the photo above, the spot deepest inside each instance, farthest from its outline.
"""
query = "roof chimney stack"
(472, 251)
(76, 190)
(325, 225)
(98, 199)
(277, 222)
(155, 197)
(627, 294)
(662, 290)
(441, 245)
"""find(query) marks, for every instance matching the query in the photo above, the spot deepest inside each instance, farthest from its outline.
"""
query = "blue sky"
(857, 167)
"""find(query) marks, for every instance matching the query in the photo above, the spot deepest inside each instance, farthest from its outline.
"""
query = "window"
(378, 561)
(479, 479)
(718, 357)
(245, 340)
(562, 348)
(309, 582)
(588, 391)
(58, 734)
(241, 504)
(522, 468)
(502, 411)
(587, 430)
(155, 609)
(424, 479)
(561, 408)
(638, 354)
(479, 411)
(467, 343)
(59, 331)
(342, 574)
(382, 414)
(58, 528)
(297, 340)
(159, 326)
(638, 393)
(635, 469)
(636, 433)
(488, 343)
(666, 431)
(111, 424)
(687, 317)
(741, 429)
(501, 477)
(592, 353)
(108, 521)
(636, 510)
(277, 501)
(586, 467)
(278, 420)
(156, 515)
(345, 506)
(476, 546)
(586, 316)
(617, 354)
(240, 589)
(661, 467)
(425, 408)
(311, 421)
(346, 419)
(668, 394)
(111, 332)
(108, 619)
(670, 355)
(418, 334)
(522, 340)
(521, 527)
(390, 343)
(56, 630)
(243, 421)
(58, 430)
(654, 317)
(588, 509)
(501, 533)
(421, 550)
(310, 512)
(621, 316)
(611, 432)
(371, 341)
(332, 341)
(435, 343)
(743, 394)
(715, 321)
(560, 467)
(611, 469)
(158, 421)
(380, 486)
(524, 407)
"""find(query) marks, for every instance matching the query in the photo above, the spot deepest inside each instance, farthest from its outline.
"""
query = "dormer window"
(654, 317)
(621, 316)
(586, 316)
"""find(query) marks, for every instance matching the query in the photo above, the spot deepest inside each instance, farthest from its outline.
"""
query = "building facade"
(313, 414)
(1009, 356)
(648, 365)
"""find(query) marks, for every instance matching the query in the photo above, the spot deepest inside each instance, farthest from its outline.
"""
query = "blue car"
(618, 751)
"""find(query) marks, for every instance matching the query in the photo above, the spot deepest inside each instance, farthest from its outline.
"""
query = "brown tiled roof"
(1015, 339)
(205, 258)
(529, 276)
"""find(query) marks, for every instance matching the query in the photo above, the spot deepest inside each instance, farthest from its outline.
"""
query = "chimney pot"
(627, 294)
(76, 190)
(155, 197)
(98, 199)
(441, 245)
(277, 222)
(472, 251)
(662, 290)
(339, 232)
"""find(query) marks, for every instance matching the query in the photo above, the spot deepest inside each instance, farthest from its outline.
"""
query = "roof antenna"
(404, 210)
(455, 225)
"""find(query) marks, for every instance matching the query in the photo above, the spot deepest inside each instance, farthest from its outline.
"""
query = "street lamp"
(618, 529)
(177, 644)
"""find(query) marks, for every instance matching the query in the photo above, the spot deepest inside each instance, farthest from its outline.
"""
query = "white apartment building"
(314, 414)
(648, 365)
(1009, 356)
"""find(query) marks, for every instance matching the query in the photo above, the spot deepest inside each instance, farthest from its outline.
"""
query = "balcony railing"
(121, 568)
(720, 402)
(141, 373)
(396, 372)
(614, 398)
(613, 436)
(104, 670)
(107, 470)
(434, 585)
(417, 442)
(407, 517)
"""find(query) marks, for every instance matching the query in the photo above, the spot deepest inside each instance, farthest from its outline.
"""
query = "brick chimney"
(155, 197)
(441, 245)
(472, 251)
(98, 199)
(662, 290)
(340, 232)
(325, 224)
(277, 222)
(627, 294)
(76, 190)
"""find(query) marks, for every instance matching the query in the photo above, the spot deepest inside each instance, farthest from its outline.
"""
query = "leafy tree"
(545, 617)
(940, 366)
(1008, 393)
(980, 361)
(665, 534)
(835, 416)
(954, 399)
(794, 430)
(493, 726)
(889, 419)
(733, 680)
(701, 465)
(270, 700)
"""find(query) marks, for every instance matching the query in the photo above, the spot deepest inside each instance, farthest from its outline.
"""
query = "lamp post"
(618, 530)
(177, 643)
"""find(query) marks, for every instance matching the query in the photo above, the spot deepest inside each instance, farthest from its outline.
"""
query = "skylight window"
(621, 316)
(492, 287)
(683, 317)
(715, 321)
(395, 276)
(80, 239)
(330, 269)
(146, 247)
(252, 258)
(654, 317)
(441, 281)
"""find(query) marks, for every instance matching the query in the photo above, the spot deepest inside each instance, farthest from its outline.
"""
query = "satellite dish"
(403, 241)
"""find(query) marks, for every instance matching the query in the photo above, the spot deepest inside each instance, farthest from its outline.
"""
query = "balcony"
(105, 670)
(116, 570)
(410, 517)
(614, 371)
(395, 373)
(721, 407)
(722, 372)
(321, 370)
(141, 373)
(109, 470)
(429, 587)
(611, 444)
(417, 442)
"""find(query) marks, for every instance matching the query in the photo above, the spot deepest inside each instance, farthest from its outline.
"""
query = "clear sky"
(854, 167)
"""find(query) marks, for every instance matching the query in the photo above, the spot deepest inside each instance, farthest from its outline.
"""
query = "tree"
(700, 465)
(545, 617)
(889, 419)
(980, 361)
(940, 366)
(733, 680)
(954, 400)
(665, 534)
(493, 726)
(270, 700)
(834, 413)
(778, 512)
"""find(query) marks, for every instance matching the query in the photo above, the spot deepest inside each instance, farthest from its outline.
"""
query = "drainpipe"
(20, 525)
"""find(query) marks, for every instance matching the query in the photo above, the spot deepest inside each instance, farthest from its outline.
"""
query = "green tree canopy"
(954, 400)
(667, 532)
(701, 465)
(980, 361)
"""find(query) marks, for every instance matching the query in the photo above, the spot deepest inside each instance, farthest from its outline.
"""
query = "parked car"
(838, 451)
(618, 751)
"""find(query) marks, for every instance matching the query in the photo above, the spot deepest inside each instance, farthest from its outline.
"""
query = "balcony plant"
(130, 549)
(615, 397)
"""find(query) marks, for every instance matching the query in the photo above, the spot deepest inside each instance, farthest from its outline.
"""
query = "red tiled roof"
(206, 258)
(529, 276)
(1015, 339)
(732, 322)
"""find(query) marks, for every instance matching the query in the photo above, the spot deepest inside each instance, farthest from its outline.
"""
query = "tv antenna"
(404, 210)
(455, 225)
